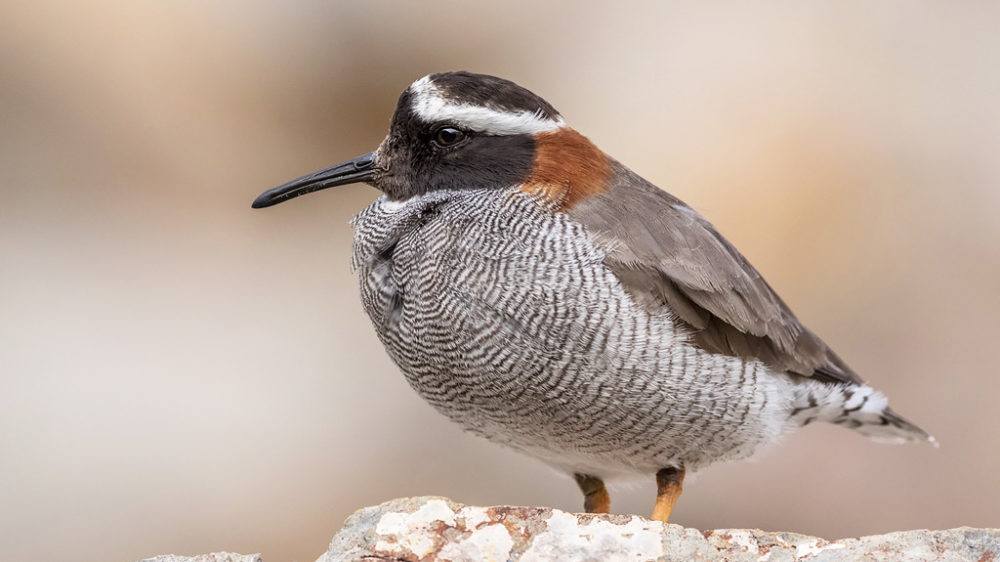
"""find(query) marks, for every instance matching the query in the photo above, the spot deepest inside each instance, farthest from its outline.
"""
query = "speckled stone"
(213, 557)
(432, 528)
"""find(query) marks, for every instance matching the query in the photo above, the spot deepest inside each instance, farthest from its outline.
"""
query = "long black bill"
(353, 171)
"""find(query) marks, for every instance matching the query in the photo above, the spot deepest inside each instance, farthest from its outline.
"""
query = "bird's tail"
(855, 406)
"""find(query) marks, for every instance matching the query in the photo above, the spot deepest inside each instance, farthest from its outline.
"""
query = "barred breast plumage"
(502, 315)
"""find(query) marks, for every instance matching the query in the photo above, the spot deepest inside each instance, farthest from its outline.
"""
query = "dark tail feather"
(907, 430)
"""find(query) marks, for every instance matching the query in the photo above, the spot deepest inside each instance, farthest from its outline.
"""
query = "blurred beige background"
(181, 374)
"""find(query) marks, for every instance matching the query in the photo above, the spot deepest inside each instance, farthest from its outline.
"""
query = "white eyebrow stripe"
(431, 107)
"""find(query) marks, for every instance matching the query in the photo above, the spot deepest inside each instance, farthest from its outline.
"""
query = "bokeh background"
(181, 374)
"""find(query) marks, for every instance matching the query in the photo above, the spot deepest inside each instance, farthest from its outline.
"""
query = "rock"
(430, 528)
(213, 557)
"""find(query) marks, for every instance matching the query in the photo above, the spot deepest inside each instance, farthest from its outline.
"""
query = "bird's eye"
(447, 136)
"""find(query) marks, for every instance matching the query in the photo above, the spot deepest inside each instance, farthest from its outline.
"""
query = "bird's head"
(459, 130)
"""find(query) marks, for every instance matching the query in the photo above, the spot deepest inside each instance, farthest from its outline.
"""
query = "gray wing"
(663, 251)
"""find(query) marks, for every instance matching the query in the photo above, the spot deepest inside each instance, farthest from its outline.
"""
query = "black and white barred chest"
(502, 316)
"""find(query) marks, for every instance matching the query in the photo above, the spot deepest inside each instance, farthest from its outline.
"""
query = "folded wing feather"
(666, 254)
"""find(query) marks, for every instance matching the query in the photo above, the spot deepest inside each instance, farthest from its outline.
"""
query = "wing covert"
(665, 253)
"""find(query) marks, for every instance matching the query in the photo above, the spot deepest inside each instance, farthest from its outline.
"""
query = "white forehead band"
(431, 106)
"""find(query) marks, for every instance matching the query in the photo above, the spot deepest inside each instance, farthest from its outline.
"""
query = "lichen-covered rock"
(213, 557)
(429, 528)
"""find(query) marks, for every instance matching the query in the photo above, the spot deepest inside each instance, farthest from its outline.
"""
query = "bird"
(544, 296)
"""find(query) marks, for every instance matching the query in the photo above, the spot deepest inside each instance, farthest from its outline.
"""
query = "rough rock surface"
(213, 557)
(430, 528)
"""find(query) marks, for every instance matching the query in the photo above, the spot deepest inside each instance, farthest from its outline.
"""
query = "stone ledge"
(432, 528)
(213, 557)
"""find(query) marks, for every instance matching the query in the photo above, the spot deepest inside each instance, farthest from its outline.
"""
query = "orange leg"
(668, 488)
(595, 496)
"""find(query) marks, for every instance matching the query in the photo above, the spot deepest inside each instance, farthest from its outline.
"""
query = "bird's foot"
(669, 482)
(595, 496)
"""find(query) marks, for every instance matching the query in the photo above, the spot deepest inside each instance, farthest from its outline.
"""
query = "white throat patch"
(431, 106)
